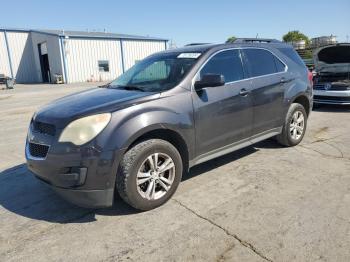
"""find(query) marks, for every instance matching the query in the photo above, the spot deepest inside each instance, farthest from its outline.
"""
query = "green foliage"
(305, 54)
(308, 54)
(231, 39)
(294, 36)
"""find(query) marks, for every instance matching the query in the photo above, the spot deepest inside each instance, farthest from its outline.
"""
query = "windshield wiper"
(105, 86)
(128, 87)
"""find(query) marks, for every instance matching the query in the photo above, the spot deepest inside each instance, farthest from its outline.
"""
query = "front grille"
(44, 128)
(333, 98)
(319, 86)
(332, 77)
(332, 87)
(37, 150)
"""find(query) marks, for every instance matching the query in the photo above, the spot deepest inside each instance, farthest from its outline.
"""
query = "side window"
(227, 63)
(279, 65)
(260, 62)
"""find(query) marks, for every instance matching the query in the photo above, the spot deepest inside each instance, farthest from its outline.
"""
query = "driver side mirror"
(209, 80)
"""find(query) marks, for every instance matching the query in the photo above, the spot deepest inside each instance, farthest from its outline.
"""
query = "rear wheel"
(294, 126)
(149, 174)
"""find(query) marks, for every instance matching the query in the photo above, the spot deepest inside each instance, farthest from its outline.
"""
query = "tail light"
(310, 77)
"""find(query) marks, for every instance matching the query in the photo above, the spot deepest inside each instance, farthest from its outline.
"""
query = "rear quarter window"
(279, 65)
(293, 55)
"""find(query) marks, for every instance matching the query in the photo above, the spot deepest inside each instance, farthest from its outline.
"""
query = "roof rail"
(256, 40)
(191, 44)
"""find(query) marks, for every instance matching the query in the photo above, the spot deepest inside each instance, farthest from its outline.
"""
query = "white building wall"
(4, 60)
(21, 53)
(135, 50)
(82, 56)
(53, 51)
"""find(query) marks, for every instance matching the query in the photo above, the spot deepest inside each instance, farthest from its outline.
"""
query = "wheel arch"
(304, 101)
(168, 135)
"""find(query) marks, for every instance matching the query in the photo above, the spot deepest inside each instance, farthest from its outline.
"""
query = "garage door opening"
(44, 63)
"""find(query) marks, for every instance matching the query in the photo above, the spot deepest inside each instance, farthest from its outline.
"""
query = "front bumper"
(332, 97)
(83, 198)
(88, 198)
(83, 175)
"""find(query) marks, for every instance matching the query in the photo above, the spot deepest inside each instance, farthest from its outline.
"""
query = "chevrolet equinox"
(169, 112)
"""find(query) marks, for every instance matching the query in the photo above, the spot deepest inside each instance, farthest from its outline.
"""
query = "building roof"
(85, 34)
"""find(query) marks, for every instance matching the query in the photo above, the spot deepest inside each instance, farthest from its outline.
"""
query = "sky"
(184, 21)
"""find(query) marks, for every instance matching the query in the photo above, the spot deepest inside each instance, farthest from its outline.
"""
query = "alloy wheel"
(155, 176)
(297, 125)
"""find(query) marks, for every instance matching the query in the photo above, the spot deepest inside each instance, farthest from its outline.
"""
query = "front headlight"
(84, 129)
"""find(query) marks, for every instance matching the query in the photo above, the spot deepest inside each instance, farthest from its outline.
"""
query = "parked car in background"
(332, 79)
(3, 79)
(9, 82)
(169, 112)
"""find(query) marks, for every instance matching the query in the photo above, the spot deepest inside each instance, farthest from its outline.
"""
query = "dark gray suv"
(169, 112)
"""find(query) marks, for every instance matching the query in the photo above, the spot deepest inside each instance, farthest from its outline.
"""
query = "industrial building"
(34, 56)
(323, 40)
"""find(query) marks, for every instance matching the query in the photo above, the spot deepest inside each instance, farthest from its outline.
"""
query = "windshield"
(156, 73)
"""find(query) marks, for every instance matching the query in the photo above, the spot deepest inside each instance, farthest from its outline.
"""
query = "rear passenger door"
(268, 75)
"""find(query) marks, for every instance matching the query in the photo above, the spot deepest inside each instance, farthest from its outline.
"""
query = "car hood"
(333, 59)
(93, 101)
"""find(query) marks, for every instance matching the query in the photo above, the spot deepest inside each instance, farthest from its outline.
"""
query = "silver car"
(332, 81)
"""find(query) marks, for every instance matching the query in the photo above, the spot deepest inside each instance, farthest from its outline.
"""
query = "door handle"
(283, 80)
(244, 92)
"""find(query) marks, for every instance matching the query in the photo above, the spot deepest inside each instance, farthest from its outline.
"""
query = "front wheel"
(294, 126)
(149, 174)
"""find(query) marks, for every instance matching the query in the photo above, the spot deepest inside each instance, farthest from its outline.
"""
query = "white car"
(332, 80)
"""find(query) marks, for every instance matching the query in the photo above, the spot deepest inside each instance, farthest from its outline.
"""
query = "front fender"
(131, 123)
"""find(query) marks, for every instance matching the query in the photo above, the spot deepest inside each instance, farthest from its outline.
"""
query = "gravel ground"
(262, 203)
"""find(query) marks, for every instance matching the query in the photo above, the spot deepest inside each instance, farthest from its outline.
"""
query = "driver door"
(223, 114)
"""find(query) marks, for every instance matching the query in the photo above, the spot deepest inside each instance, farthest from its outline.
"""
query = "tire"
(138, 160)
(288, 137)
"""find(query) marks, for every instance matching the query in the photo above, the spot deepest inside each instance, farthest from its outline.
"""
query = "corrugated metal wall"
(21, 52)
(135, 50)
(82, 56)
(4, 60)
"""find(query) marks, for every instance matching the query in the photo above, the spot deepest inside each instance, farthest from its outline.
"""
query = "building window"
(103, 66)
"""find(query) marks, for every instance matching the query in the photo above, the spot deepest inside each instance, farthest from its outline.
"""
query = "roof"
(85, 34)
(256, 40)
(205, 47)
(192, 48)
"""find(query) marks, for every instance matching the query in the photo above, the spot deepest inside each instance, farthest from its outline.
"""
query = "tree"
(295, 36)
(231, 39)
